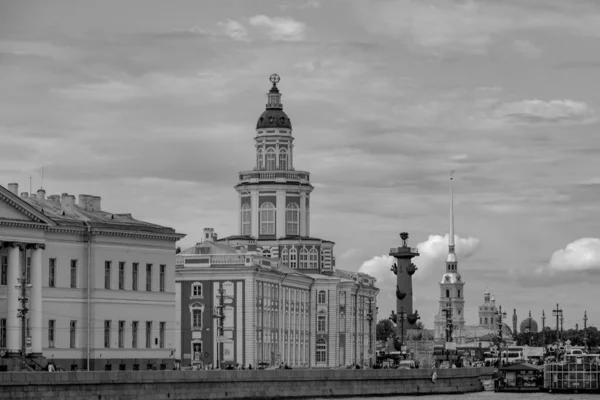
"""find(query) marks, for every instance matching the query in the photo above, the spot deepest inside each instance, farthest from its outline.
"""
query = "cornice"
(25, 210)
(22, 224)
(140, 235)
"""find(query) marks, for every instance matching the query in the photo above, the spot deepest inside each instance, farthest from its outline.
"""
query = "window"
(52, 272)
(486, 320)
(458, 292)
(121, 275)
(107, 274)
(148, 277)
(197, 289)
(480, 321)
(303, 258)
(270, 159)
(51, 331)
(161, 335)
(3, 333)
(134, 334)
(161, 278)
(246, 220)
(121, 337)
(73, 334)
(267, 219)
(322, 297)
(107, 334)
(134, 276)
(293, 258)
(447, 293)
(148, 334)
(321, 351)
(259, 159)
(196, 311)
(292, 218)
(73, 273)
(284, 256)
(313, 257)
(321, 323)
(4, 270)
(342, 322)
(283, 159)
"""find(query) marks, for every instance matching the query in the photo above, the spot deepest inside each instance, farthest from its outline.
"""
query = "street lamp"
(370, 318)
(501, 315)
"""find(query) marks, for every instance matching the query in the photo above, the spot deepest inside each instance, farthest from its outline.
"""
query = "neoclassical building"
(272, 292)
(100, 284)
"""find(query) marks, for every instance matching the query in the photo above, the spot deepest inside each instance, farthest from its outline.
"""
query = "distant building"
(272, 294)
(101, 283)
(529, 325)
(488, 311)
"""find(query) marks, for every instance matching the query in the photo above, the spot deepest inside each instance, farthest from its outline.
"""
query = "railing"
(227, 259)
(404, 250)
(301, 176)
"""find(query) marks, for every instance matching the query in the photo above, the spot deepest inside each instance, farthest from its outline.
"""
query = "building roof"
(273, 118)
(528, 325)
(209, 247)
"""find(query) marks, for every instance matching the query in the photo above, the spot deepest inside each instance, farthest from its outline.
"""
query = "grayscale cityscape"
(278, 199)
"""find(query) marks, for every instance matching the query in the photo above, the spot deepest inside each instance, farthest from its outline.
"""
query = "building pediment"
(15, 211)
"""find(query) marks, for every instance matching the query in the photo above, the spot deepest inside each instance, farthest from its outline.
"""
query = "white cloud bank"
(582, 255)
(531, 111)
(279, 28)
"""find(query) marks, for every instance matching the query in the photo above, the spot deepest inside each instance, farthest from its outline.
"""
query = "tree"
(385, 328)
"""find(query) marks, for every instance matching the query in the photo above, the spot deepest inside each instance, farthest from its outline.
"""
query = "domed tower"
(274, 211)
(528, 325)
(452, 301)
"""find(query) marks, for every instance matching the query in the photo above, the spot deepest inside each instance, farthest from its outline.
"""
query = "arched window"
(322, 323)
(270, 159)
(458, 292)
(313, 256)
(266, 253)
(321, 351)
(303, 258)
(284, 256)
(260, 162)
(196, 312)
(246, 220)
(292, 220)
(283, 159)
(486, 320)
(322, 297)
(197, 290)
(267, 219)
(293, 258)
(342, 322)
(447, 293)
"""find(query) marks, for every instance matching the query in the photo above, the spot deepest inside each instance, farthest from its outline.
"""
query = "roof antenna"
(42, 184)
(30, 185)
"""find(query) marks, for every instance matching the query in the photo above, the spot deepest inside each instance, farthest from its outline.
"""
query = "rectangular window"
(3, 333)
(107, 265)
(52, 272)
(161, 282)
(196, 318)
(121, 275)
(73, 334)
(107, 334)
(148, 277)
(73, 273)
(51, 329)
(3, 269)
(161, 335)
(321, 323)
(134, 334)
(148, 334)
(134, 276)
(121, 334)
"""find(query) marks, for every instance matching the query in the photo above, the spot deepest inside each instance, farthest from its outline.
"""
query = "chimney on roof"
(41, 194)
(54, 197)
(96, 203)
(24, 195)
(208, 235)
(67, 203)
(32, 196)
(86, 202)
(14, 188)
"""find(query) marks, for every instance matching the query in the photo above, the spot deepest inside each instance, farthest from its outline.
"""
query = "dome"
(528, 325)
(274, 118)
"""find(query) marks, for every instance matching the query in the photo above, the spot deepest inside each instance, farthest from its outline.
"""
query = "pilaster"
(254, 206)
(280, 214)
(303, 215)
(35, 302)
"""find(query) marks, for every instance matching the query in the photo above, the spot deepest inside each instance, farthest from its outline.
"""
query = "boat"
(577, 373)
(521, 377)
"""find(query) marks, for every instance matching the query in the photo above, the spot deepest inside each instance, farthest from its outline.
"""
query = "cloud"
(299, 4)
(234, 30)
(580, 256)
(279, 28)
(527, 48)
(535, 111)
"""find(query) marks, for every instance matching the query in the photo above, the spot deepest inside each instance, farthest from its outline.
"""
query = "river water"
(487, 395)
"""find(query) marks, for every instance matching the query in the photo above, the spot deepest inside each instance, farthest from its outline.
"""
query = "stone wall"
(264, 384)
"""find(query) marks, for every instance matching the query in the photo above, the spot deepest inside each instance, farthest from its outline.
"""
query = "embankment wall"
(267, 384)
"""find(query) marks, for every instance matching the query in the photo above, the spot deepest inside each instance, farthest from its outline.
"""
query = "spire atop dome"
(274, 96)
(451, 254)
(274, 116)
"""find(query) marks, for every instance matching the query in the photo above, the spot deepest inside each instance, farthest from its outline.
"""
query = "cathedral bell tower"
(274, 197)
(452, 300)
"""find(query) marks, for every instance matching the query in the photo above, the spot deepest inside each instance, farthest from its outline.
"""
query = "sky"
(152, 105)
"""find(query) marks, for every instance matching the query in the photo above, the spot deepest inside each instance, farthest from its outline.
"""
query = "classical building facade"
(488, 311)
(100, 285)
(452, 301)
(272, 293)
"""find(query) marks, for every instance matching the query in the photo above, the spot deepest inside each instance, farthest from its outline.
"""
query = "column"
(35, 298)
(13, 343)
(254, 206)
(303, 231)
(280, 217)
